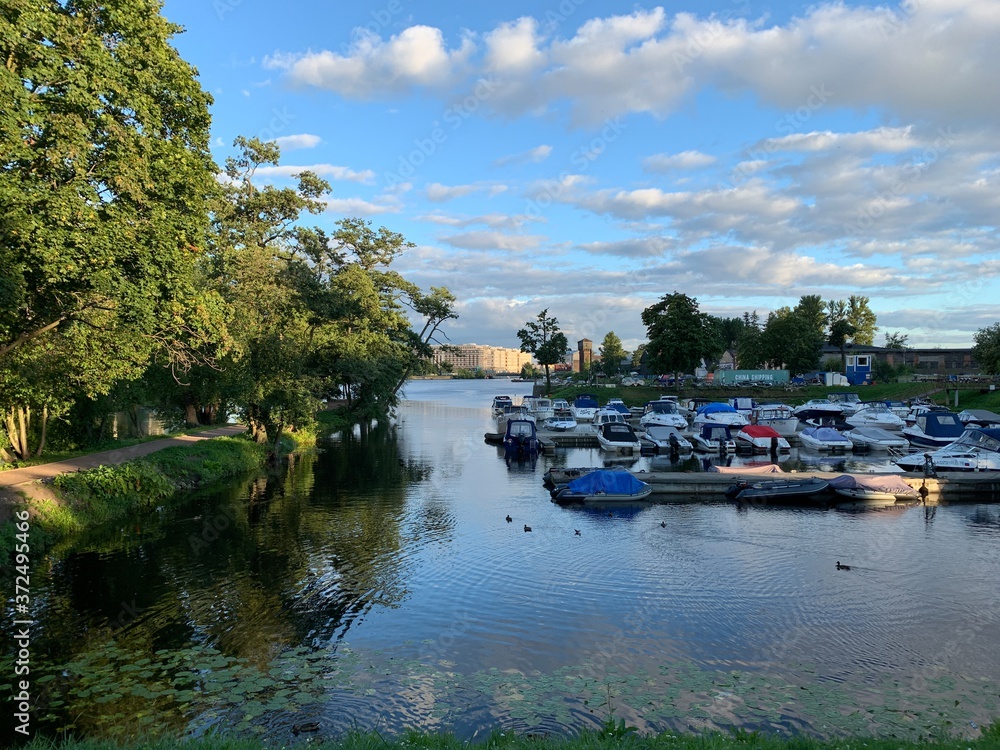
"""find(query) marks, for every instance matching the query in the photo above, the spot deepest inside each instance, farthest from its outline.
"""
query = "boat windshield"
(979, 440)
(845, 398)
(662, 407)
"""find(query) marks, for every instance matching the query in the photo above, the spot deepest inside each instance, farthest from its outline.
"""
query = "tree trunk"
(45, 427)
(12, 433)
(190, 412)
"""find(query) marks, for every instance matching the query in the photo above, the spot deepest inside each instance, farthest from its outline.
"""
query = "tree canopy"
(680, 335)
(542, 338)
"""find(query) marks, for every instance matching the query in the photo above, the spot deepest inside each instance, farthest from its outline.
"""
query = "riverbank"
(612, 736)
(65, 497)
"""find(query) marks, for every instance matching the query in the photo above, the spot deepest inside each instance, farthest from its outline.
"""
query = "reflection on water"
(378, 583)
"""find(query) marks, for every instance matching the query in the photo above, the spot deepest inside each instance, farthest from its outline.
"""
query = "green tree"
(861, 317)
(840, 331)
(895, 340)
(105, 179)
(680, 335)
(612, 353)
(637, 356)
(542, 338)
(729, 331)
(791, 340)
(986, 348)
(749, 346)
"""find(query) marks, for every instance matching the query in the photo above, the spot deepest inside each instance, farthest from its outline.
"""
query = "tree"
(791, 341)
(105, 178)
(840, 331)
(612, 353)
(637, 356)
(728, 332)
(749, 346)
(680, 336)
(542, 338)
(860, 315)
(895, 340)
(986, 349)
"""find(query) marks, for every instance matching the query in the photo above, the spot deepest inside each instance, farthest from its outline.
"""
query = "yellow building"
(493, 360)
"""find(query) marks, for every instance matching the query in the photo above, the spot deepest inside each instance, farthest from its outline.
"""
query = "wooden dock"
(956, 487)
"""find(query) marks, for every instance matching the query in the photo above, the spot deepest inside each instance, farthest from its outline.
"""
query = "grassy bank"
(79, 500)
(611, 737)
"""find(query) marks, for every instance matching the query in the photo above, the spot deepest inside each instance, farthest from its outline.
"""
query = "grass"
(608, 737)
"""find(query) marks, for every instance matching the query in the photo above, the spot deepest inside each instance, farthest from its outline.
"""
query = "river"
(377, 585)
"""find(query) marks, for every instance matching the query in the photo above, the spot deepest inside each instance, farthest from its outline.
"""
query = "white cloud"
(671, 162)
(331, 171)
(490, 240)
(373, 68)
(439, 193)
(358, 207)
(536, 154)
(301, 140)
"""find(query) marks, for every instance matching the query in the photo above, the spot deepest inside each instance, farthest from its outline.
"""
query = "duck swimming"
(842, 567)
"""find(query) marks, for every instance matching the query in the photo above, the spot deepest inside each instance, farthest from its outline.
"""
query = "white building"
(490, 359)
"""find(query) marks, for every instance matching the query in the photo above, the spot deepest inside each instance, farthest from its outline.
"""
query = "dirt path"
(11, 481)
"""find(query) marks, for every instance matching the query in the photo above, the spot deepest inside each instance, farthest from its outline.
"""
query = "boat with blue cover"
(520, 439)
(934, 429)
(584, 407)
(602, 485)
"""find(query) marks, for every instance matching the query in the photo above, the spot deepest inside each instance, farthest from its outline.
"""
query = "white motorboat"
(499, 402)
(619, 406)
(719, 413)
(538, 407)
(560, 423)
(618, 437)
(584, 407)
(849, 402)
(875, 414)
(779, 417)
(977, 449)
(662, 412)
(668, 439)
(875, 438)
(713, 437)
(818, 408)
(979, 418)
(934, 429)
(760, 438)
(825, 439)
(607, 416)
(560, 406)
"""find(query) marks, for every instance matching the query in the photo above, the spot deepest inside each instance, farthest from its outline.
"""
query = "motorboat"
(872, 489)
(560, 423)
(618, 437)
(848, 401)
(662, 412)
(584, 408)
(499, 402)
(919, 409)
(824, 439)
(743, 405)
(934, 429)
(979, 418)
(619, 406)
(560, 406)
(540, 408)
(605, 416)
(719, 413)
(790, 491)
(779, 417)
(899, 408)
(760, 438)
(875, 438)
(821, 406)
(976, 449)
(875, 414)
(668, 439)
(713, 437)
(520, 439)
(604, 486)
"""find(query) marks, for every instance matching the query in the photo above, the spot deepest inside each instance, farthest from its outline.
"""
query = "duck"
(309, 726)
(578, 532)
(663, 524)
(842, 567)
(509, 519)
(527, 528)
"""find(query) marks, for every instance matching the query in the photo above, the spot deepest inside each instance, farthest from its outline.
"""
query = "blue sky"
(588, 157)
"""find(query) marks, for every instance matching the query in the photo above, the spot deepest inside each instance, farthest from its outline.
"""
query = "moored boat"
(804, 490)
(520, 439)
(602, 485)
(719, 413)
(975, 450)
(618, 437)
(934, 429)
(560, 423)
(662, 412)
(779, 417)
(872, 489)
(668, 439)
(875, 414)
(824, 439)
(761, 439)
(584, 407)
(713, 438)
(877, 439)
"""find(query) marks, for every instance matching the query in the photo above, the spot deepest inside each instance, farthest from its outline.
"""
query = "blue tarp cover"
(608, 482)
(716, 408)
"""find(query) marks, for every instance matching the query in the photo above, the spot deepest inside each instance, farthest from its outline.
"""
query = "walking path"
(14, 477)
